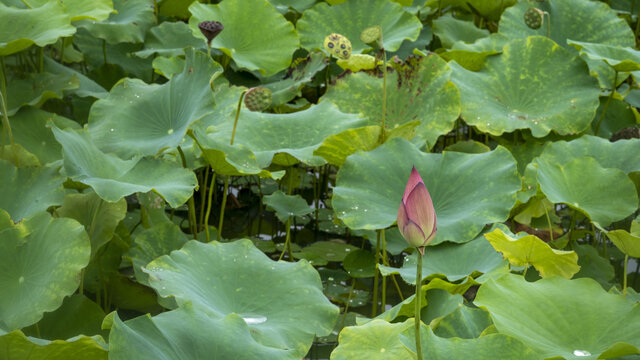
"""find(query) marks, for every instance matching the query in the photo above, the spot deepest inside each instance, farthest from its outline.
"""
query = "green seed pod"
(372, 36)
(257, 99)
(338, 46)
(533, 18)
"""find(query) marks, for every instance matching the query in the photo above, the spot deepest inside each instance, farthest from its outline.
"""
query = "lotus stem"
(6, 126)
(193, 225)
(224, 204)
(624, 276)
(548, 24)
(235, 122)
(637, 29)
(546, 213)
(418, 301)
(384, 278)
(287, 242)
(374, 305)
(606, 105)
(203, 196)
(384, 93)
(208, 212)
(104, 51)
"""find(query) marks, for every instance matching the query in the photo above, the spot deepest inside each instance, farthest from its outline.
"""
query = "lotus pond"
(222, 179)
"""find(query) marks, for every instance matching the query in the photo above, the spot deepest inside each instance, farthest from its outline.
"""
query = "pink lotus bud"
(416, 215)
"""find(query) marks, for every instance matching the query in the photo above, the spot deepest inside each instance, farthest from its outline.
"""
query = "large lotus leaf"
(113, 178)
(627, 242)
(285, 90)
(621, 154)
(587, 21)
(236, 278)
(584, 184)
(466, 196)
(263, 41)
(575, 319)
(450, 261)
(594, 265)
(421, 92)
(26, 191)
(141, 119)
(226, 159)
(16, 346)
(530, 250)
(321, 252)
(297, 134)
(451, 30)
(169, 39)
(35, 89)
(287, 205)
(619, 118)
(187, 334)
(46, 24)
(489, 347)
(128, 23)
(77, 315)
(99, 217)
(336, 148)
(621, 59)
(158, 240)
(487, 8)
(376, 339)
(352, 17)
(40, 263)
(465, 322)
(534, 84)
(97, 10)
(86, 87)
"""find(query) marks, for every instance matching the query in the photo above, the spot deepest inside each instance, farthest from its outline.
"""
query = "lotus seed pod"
(533, 18)
(372, 36)
(257, 99)
(210, 29)
(338, 46)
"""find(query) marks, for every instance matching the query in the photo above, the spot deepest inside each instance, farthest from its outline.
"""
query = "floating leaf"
(584, 184)
(530, 250)
(351, 18)
(141, 119)
(263, 41)
(466, 197)
(26, 191)
(376, 339)
(534, 84)
(245, 281)
(16, 346)
(556, 317)
(287, 205)
(321, 252)
(113, 178)
(17, 37)
(128, 23)
(37, 270)
(422, 91)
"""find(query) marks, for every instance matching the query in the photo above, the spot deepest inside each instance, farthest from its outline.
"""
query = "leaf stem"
(6, 125)
(606, 105)
(624, 276)
(418, 301)
(384, 94)
(208, 212)
(235, 122)
(191, 203)
(384, 278)
(546, 213)
(224, 204)
(374, 303)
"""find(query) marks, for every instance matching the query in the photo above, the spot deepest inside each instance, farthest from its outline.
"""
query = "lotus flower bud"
(210, 29)
(416, 215)
(338, 46)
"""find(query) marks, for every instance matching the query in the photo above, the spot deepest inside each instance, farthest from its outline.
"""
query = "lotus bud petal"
(417, 220)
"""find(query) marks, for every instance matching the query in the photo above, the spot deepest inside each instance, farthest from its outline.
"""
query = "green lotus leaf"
(593, 265)
(226, 159)
(174, 8)
(285, 90)
(158, 240)
(169, 39)
(574, 319)
(15, 36)
(77, 315)
(451, 30)
(470, 60)
(421, 92)
(360, 264)
(376, 339)
(141, 119)
(297, 134)
(407, 48)
(530, 250)
(17, 155)
(26, 191)
(621, 59)
(370, 185)
(99, 217)
(186, 334)
(465, 322)
(626, 242)
(86, 87)
(469, 147)
(489, 347)
(358, 62)
(321, 252)
(534, 84)
(168, 66)
(620, 154)
(16, 346)
(487, 8)
(450, 261)
(128, 23)
(37, 88)
(287, 205)
(97, 10)
(37, 268)
(246, 279)
(619, 118)
(585, 185)
(285, 6)
(352, 17)
(336, 148)
(263, 41)
(113, 178)
(586, 21)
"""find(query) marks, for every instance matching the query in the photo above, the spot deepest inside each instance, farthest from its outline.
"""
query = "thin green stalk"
(374, 305)
(384, 278)
(6, 125)
(546, 212)
(287, 242)
(62, 52)
(40, 59)
(418, 301)
(346, 307)
(235, 122)
(104, 51)
(208, 212)
(606, 105)
(191, 203)
(637, 29)
(524, 273)
(624, 276)
(203, 196)
(384, 94)
(224, 204)
(548, 24)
